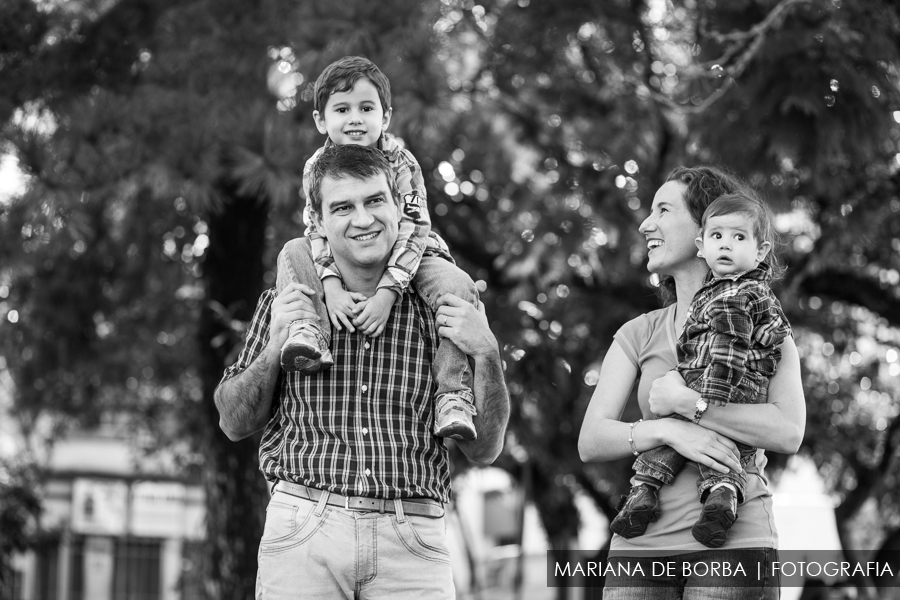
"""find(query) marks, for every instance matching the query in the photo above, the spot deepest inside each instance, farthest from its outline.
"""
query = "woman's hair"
(702, 185)
(755, 211)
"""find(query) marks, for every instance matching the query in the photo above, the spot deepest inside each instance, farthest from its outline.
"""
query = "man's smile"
(366, 237)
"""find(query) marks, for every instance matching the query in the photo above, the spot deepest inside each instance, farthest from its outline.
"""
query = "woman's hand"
(700, 445)
(669, 395)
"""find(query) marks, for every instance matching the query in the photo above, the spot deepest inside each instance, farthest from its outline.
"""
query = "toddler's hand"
(340, 303)
(372, 314)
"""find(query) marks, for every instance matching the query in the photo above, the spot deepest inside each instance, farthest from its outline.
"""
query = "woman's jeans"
(699, 580)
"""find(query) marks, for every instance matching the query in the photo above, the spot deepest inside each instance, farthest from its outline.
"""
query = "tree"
(165, 141)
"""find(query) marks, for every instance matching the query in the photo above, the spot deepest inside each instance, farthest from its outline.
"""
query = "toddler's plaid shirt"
(729, 346)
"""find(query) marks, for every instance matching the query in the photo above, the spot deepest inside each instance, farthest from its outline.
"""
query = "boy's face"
(355, 116)
(729, 246)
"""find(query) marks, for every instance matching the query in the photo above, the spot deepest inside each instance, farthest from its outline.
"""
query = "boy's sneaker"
(453, 418)
(719, 514)
(305, 350)
(641, 508)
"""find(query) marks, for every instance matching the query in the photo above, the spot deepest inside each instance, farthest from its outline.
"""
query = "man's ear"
(386, 119)
(320, 122)
(698, 241)
(762, 251)
(317, 219)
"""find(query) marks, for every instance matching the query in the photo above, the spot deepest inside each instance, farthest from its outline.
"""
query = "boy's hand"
(340, 303)
(372, 314)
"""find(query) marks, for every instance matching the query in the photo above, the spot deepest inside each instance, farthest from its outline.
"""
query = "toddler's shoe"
(640, 509)
(453, 417)
(305, 350)
(719, 514)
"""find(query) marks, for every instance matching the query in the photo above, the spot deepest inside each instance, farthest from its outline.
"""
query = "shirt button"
(365, 388)
(365, 431)
(367, 345)
(368, 472)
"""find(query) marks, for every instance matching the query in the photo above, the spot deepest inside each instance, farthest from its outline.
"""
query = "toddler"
(352, 105)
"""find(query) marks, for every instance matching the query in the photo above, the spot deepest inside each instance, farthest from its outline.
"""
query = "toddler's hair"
(342, 75)
(756, 211)
(351, 160)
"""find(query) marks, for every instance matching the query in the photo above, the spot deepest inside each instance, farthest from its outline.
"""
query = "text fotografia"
(732, 568)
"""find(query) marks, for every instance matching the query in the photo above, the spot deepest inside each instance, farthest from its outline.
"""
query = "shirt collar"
(762, 272)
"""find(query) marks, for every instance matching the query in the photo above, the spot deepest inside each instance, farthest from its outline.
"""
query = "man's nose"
(362, 218)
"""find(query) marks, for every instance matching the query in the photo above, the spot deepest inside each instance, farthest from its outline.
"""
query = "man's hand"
(291, 304)
(465, 326)
(372, 314)
(340, 303)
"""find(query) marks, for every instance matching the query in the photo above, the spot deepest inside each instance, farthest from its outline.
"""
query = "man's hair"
(351, 160)
(702, 185)
(757, 212)
(342, 75)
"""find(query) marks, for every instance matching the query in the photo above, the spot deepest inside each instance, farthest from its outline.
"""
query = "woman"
(644, 350)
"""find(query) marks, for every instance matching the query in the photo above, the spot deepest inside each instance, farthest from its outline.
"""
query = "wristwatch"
(701, 405)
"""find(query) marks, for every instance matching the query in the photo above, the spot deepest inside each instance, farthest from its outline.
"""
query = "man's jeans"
(312, 550)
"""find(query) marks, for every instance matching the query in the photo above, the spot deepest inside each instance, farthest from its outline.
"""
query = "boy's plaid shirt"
(414, 235)
(363, 427)
(729, 346)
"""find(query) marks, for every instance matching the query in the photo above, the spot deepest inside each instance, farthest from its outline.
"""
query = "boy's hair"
(342, 75)
(754, 210)
(351, 160)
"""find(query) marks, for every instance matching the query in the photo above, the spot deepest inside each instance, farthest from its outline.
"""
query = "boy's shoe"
(719, 514)
(305, 350)
(639, 510)
(453, 418)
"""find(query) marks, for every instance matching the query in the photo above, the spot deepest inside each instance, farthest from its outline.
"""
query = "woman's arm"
(777, 425)
(604, 437)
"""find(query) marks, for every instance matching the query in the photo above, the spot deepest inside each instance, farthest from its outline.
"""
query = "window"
(192, 562)
(47, 572)
(136, 572)
(76, 568)
(10, 583)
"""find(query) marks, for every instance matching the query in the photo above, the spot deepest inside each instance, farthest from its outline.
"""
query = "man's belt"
(420, 507)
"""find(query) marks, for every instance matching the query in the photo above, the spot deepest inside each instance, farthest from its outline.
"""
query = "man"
(359, 479)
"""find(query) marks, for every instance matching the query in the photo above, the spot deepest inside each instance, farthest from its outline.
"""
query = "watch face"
(702, 404)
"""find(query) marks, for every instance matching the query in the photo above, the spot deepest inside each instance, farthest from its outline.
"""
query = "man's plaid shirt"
(364, 426)
(414, 235)
(729, 346)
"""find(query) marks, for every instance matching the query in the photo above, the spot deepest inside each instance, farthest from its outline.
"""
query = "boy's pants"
(310, 549)
(660, 465)
(434, 278)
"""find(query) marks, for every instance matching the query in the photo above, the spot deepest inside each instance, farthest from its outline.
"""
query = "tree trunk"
(235, 489)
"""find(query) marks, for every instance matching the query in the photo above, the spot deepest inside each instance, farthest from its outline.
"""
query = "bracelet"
(634, 449)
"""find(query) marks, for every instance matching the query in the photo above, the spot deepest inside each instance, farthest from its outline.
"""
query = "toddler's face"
(729, 246)
(355, 116)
